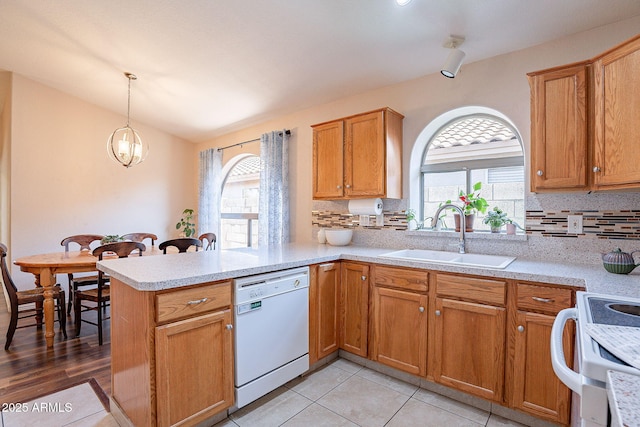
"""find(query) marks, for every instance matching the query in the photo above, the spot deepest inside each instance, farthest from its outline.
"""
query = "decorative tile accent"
(612, 225)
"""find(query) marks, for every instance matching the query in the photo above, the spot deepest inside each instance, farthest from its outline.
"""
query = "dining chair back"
(140, 237)
(182, 244)
(100, 296)
(84, 241)
(18, 298)
(209, 239)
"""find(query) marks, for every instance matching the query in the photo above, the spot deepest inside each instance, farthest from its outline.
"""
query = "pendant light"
(456, 56)
(125, 145)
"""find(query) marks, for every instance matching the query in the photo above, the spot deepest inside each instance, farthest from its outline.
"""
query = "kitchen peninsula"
(162, 305)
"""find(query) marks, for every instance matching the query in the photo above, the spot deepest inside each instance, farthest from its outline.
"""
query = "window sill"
(483, 235)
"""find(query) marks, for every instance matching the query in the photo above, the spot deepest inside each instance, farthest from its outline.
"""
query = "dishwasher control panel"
(253, 288)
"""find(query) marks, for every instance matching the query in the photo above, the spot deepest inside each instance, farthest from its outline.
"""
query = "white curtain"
(273, 220)
(210, 190)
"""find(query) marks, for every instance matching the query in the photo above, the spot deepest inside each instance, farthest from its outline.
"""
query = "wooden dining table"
(45, 267)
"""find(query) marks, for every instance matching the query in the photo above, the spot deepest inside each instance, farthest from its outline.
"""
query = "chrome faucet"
(434, 222)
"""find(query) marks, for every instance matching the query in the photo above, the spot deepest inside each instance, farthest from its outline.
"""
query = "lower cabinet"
(171, 354)
(399, 325)
(354, 308)
(536, 388)
(324, 309)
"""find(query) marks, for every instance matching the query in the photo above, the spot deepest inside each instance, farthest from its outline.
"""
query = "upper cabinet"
(584, 121)
(358, 156)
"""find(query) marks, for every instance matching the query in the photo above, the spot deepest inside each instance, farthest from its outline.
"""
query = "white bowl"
(339, 237)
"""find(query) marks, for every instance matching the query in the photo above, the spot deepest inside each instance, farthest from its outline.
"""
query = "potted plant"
(472, 203)
(186, 224)
(111, 238)
(496, 218)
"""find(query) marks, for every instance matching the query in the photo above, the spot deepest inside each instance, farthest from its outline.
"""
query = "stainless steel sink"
(441, 257)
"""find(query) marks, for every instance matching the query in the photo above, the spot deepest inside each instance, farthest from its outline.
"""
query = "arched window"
(240, 202)
(461, 148)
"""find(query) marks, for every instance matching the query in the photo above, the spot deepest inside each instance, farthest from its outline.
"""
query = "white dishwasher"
(271, 331)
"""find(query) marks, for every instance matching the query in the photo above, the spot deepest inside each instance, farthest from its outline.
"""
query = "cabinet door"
(364, 174)
(354, 304)
(196, 384)
(328, 152)
(469, 338)
(559, 129)
(617, 118)
(536, 388)
(400, 329)
(324, 305)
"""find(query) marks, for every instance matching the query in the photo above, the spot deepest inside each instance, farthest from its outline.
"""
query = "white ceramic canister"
(322, 237)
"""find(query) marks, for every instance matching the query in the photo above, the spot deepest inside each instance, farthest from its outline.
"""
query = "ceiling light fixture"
(125, 145)
(402, 2)
(455, 58)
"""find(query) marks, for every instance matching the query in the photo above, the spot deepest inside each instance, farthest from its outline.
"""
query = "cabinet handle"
(197, 301)
(545, 300)
(338, 186)
(363, 278)
(229, 327)
(520, 328)
(348, 185)
(539, 173)
(421, 309)
(596, 169)
(438, 313)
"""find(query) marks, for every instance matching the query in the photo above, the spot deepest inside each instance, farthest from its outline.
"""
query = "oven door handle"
(568, 376)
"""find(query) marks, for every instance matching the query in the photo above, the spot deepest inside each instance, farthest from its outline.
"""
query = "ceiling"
(208, 67)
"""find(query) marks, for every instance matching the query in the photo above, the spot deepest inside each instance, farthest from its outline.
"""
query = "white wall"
(499, 83)
(63, 182)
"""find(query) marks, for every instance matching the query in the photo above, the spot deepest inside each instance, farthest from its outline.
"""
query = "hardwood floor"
(29, 370)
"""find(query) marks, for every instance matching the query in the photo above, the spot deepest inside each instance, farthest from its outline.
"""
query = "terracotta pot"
(468, 225)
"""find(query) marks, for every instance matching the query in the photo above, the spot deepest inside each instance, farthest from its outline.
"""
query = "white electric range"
(589, 382)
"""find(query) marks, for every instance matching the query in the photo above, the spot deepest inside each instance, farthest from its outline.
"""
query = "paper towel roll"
(365, 207)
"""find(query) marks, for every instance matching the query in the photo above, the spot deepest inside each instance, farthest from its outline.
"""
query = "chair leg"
(99, 323)
(71, 295)
(78, 313)
(12, 327)
(62, 317)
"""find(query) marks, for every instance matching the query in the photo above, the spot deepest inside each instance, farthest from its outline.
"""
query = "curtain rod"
(287, 131)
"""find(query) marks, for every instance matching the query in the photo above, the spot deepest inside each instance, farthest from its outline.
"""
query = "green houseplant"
(496, 218)
(472, 203)
(111, 238)
(186, 224)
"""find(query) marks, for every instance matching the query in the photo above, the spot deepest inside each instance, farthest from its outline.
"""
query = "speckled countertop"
(624, 398)
(174, 270)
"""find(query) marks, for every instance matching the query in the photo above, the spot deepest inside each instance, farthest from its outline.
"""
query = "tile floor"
(342, 393)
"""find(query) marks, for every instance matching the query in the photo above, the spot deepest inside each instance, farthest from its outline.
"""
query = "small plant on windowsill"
(111, 238)
(186, 225)
(472, 203)
(496, 218)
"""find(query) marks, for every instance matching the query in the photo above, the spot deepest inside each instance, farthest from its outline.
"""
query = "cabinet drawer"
(543, 298)
(414, 280)
(193, 301)
(472, 288)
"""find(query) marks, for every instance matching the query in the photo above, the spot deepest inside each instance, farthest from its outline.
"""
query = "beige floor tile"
(417, 413)
(271, 410)
(226, 423)
(474, 414)
(347, 365)
(61, 408)
(318, 416)
(363, 402)
(387, 381)
(498, 421)
(101, 419)
(320, 382)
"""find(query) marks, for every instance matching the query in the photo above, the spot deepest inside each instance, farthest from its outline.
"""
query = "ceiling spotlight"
(402, 2)
(455, 58)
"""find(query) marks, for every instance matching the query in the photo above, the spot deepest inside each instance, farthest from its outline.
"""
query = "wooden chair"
(18, 298)
(101, 294)
(84, 241)
(140, 237)
(182, 244)
(210, 238)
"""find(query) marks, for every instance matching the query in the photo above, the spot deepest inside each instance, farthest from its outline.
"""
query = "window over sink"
(460, 148)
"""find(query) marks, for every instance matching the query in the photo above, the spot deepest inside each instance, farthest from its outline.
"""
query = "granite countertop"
(624, 398)
(174, 270)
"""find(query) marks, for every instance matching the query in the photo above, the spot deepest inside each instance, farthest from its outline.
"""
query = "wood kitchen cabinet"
(324, 309)
(584, 122)
(358, 156)
(354, 308)
(559, 128)
(399, 326)
(171, 354)
(469, 340)
(534, 386)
